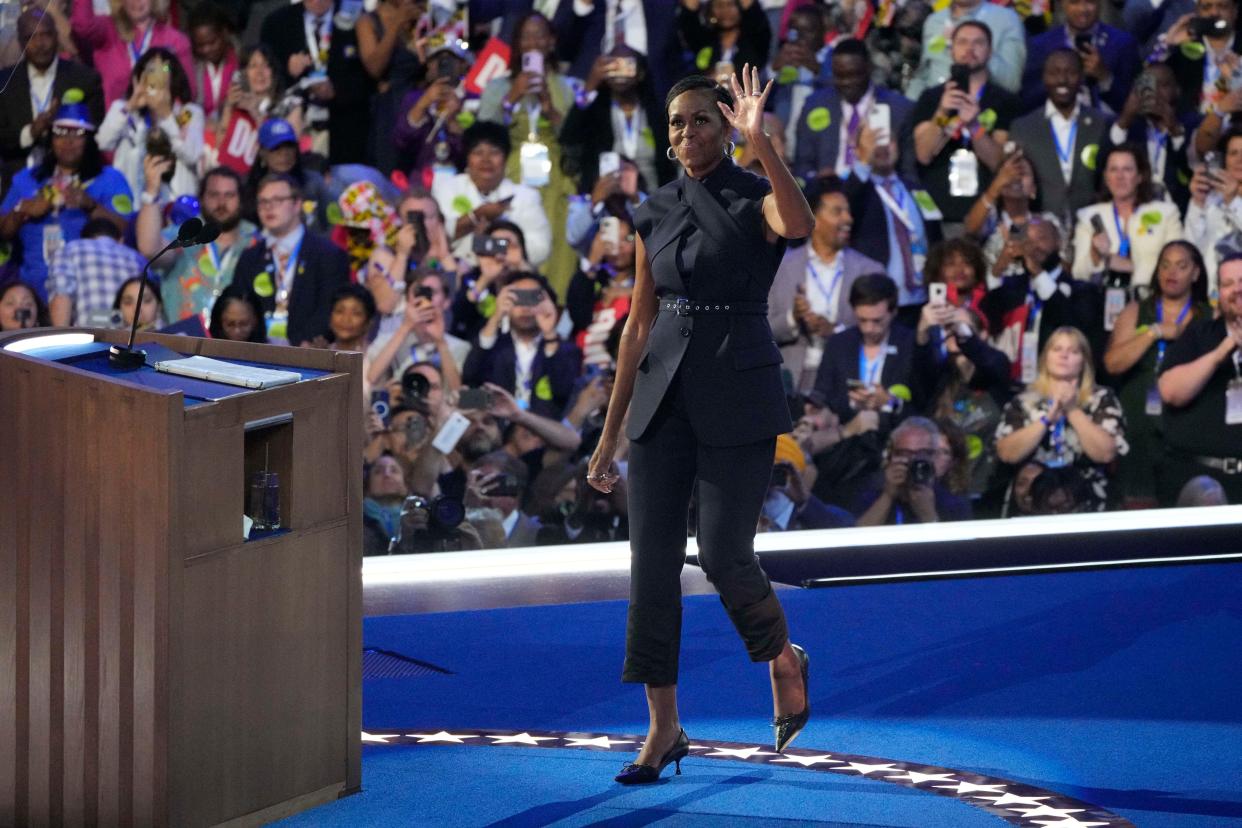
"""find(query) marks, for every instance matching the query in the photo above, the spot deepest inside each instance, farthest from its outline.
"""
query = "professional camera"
(921, 472)
(415, 385)
(427, 525)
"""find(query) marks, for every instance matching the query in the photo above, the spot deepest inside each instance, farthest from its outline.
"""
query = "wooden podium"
(155, 667)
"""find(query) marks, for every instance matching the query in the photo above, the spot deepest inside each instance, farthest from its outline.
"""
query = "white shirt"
(457, 195)
(40, 96)
(523, 383)
(124, 134)
(627, 16)
(863, 107)
(1062, 128)
(285, 247)
(823, 282)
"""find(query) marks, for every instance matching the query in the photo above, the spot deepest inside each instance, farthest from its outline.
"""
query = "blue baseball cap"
(275, 132)
(75, 116)
(184, 208)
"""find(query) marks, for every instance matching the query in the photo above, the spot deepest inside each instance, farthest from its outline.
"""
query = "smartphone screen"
(532, 62)
(937, 293)
(880, 121)
(609, 163)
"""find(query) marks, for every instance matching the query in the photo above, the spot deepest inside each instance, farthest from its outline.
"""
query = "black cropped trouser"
(665, 467)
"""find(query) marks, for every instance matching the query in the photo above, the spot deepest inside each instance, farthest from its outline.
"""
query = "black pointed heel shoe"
(790, 725)
(635, 774)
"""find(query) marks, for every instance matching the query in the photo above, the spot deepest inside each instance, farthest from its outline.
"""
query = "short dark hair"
(221, 172)
(692, 83)
(1234, 256)
(179, 88)
(279, 178)
(1234, 131)
(486, 132)
(821, 186)
(978, 24)
(852, 47)
(505, 462)
(209, 14)
(355, 291)
(872, 289)
(43, 318)
(152, 289)
(504, 224)
(1074, 54)
(100, 227)
(538, 277)
(238, 293)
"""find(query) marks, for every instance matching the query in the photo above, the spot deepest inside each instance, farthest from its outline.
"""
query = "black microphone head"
(188, 232)
(209, 233)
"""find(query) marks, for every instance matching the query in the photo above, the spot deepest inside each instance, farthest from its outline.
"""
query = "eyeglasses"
(273, 201)
(68, 132)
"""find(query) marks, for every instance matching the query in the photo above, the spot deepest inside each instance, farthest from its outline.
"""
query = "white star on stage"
(808, 761)
(741, 753)
(598, 741)
(1068, 822)
(967, 787)
(919, 778)
(1047, 810)
(442, 736)
(521, 739)
(865, 769)
(1014, 799)
(371, 737)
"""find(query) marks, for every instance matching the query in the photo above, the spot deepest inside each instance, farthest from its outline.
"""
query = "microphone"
(191, 232)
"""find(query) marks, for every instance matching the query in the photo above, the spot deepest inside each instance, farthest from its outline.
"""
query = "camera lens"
(447, 512)
(415, 384)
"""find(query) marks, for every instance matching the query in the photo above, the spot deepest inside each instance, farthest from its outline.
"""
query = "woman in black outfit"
(699, 372)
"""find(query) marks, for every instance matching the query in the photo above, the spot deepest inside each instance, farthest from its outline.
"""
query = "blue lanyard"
(1124, 249)
(1037, 305)
(1068, 152)
(291, 267)
(1159, 139)
(837, 272)
(869, 370)
(40, 106)
(899, 517)
(137, 50)
(1162, 345)
(1058, 441)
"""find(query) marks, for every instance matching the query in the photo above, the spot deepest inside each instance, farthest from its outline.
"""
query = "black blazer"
(349, 112)
(16, 111)
(579, 38)
(907, 363)
(552, 378)
(729, 363)
(322, 268)
(870, 232)
(588, 132)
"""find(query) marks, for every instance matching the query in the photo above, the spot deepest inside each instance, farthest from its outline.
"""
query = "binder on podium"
(157, 667)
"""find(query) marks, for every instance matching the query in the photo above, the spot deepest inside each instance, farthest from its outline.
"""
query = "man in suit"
(802, 67)
(875, 369)
(831, 118)
(809, 299)
(530, 361)
(1063, 139)
(1110, 58)
(34, 88)
(1151, 119)
(1198, 69)
(498, 480)
(588, 28)
(891, 225)
(318, 55)
(294, 271)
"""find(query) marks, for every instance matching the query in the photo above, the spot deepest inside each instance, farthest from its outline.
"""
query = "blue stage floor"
(1116, 688)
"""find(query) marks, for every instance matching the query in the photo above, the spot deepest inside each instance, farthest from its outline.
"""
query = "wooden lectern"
(156, 668)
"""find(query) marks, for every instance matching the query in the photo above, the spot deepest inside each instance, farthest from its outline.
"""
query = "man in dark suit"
(1197, 69)
(1063, 139)
(294, 271)
(890, 224)
(875, 369)
(530, 360)
(831, 118)
(645, 26)
(809, 298)
(316, 53)
(1110, 57)
(34, 88)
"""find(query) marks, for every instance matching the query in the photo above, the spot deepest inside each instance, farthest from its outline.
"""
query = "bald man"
(39, 82)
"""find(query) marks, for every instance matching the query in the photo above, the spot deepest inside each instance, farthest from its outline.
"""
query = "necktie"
(851, 132)
(903, 236)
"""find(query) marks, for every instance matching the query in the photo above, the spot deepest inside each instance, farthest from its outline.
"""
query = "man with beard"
(193, 277)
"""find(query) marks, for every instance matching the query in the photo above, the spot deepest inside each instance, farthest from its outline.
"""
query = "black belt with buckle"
(1228, 465)
(687, 307)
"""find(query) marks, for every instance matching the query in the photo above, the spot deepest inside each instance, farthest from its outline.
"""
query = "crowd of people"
(1022, 294)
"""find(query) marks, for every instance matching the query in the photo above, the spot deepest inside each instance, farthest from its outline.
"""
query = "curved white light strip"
(615, 557)
(60, 340)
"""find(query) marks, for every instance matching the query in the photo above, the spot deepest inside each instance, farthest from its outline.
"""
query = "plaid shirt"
(90, 271)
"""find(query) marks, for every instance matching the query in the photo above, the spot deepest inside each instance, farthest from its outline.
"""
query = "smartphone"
(532, 62)
(1201, 27)
(158, 143)
(450, 433)
(855, 384)
(610, 231)
(424, 292)
(937, 293)
(505, 486)
(474, 399)
(489, 246)
(624, 67)
(780, 475)
(959, 73)
(1083, 42)
(1209, 160)
(445, 68)
(421, 242)
(1017, 232)
(380, 405)
(1097, 225)
(880, 121)
(609, 163)
(527, 297)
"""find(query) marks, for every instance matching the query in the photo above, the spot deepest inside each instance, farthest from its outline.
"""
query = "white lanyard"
(898, 210)
(136, 53)
(626, 126)
(40, 106)
(214, 78)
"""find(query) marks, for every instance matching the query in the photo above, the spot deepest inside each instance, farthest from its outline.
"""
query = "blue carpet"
(1116, 687)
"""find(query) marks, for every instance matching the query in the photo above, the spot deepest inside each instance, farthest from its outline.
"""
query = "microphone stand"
(126, 358)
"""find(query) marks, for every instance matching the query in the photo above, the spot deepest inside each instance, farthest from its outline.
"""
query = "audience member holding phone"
(421, 335)
(499, 251)
(1215, 211)
(998, 218)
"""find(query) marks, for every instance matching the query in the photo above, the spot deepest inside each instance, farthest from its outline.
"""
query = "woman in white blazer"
(1128, 228)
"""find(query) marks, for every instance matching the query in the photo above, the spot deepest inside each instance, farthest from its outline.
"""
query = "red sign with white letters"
(493, 62)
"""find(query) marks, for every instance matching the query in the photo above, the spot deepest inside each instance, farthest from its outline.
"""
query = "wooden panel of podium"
(156, 668)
